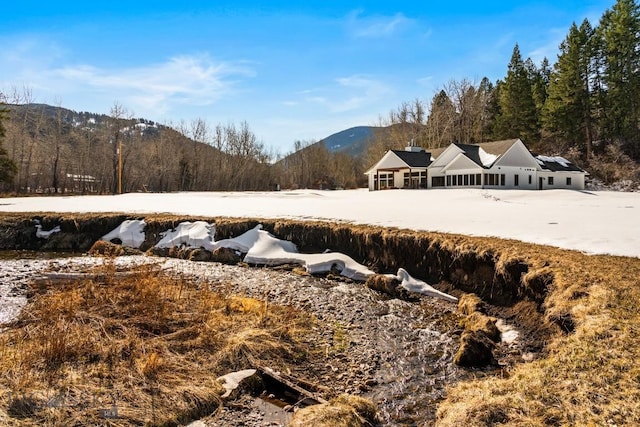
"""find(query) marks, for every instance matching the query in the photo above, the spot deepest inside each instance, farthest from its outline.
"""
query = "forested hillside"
(584, 106)
(59, 150)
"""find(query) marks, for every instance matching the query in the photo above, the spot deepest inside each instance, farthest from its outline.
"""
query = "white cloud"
(195, 80)
(150, 89)
(349, 94)
(550, 48)
(376, 26)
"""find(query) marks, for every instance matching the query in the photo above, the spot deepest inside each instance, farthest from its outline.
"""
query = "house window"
(455, 180)
(502, 180)
(437, 181)
(459, 179)
(478, 179)
(386, 180)
(530, 179)
(516, 180)
(448, 180)
(472, 180)
(568, 180)
(466, 180)
(550, 180)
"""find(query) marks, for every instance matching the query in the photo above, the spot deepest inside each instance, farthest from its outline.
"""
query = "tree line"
(50, 149)
(586, 105)
(55, 150)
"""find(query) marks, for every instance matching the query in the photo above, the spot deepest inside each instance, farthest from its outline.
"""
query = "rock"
(225, 256)
(389, 285)
(470, 303)
(105, 248)
(479, 322)
(476, 350)
(102, 247)
(200, 254)
(163, 252)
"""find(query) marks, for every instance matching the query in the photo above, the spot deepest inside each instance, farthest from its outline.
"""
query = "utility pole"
(119, 166)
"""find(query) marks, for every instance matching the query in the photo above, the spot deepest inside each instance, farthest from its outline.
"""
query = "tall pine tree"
(518, 116)
(568, 111)
(619, 30)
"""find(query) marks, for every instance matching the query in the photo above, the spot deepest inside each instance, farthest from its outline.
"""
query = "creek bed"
(397, 353)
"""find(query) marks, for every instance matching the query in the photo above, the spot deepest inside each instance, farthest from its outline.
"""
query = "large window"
(385, 180)
(550, 180)
(415, 179)
(437, 181)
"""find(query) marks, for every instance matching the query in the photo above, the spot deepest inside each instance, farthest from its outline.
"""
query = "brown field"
(150, 343)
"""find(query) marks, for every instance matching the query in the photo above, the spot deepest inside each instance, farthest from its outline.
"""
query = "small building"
(499, 164)
(400, 169)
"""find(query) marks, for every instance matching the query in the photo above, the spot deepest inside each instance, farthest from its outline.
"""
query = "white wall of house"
(437, 168)
(561, 180)
(388, 165)
(526, 177)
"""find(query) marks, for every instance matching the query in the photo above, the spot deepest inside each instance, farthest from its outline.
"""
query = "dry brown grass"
(343, 411)
(149, 343)
(590, 376)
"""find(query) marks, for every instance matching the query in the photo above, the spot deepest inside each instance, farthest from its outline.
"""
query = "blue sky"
(291, 70)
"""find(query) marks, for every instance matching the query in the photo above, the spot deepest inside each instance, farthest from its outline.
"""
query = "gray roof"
(556, 164)
(472, 152)
(414, 159)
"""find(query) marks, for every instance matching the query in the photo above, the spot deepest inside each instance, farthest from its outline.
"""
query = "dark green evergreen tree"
(619, 31)
(568, 111)
(539, 78)
(518, 117)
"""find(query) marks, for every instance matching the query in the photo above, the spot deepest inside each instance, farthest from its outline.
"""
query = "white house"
(499, 164)
(400, 169)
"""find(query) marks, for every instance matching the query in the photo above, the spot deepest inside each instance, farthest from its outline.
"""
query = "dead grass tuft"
(145, 345)
(343, 411)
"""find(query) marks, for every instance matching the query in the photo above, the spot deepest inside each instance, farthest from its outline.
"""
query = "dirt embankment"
(516, 281)
(497, 271)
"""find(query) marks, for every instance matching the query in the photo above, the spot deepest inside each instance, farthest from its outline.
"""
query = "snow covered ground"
(598, 222)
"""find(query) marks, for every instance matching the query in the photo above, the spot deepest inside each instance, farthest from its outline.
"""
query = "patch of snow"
(243, 243)
(198, 234)
(45, 234)
(486, 158)
(553, 159)
(418, 286)
(262, 248)
(507, 332)
(232, 380)
(130, 233)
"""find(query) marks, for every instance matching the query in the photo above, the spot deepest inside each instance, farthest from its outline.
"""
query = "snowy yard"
(592, 222)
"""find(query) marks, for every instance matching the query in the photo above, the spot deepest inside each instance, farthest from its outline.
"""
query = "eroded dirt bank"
(398, 353)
